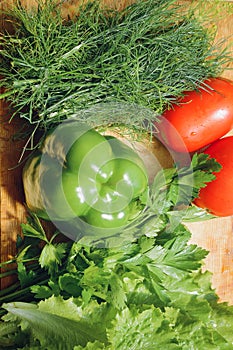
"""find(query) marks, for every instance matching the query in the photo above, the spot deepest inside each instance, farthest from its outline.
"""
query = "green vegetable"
(147, 291)
(148, 54)
(59, 324)
(145, 294)
(82, 177)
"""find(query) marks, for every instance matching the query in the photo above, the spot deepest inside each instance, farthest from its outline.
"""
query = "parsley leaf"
(51, 256)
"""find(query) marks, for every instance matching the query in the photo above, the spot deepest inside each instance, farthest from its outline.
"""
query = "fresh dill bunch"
(146, 55)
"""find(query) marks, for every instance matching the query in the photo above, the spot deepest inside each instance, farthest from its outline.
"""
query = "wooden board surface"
(216, 235)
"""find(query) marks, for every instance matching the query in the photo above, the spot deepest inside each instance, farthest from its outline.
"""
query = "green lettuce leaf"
(58, 324)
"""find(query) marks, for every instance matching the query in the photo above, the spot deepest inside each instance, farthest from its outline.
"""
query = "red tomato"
(201, 117)
(217, 196)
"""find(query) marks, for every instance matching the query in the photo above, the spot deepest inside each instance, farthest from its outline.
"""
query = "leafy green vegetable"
(47, 320)
(65, 324)
(145, 56)
(145, 291)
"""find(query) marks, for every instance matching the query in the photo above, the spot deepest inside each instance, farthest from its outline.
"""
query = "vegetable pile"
(104, 259)
(142, 289)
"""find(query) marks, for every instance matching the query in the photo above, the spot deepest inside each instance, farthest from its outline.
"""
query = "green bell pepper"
(79, 173)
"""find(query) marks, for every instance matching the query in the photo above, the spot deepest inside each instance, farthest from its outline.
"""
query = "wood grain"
(216, 235)
(217, 238)
(12, 199)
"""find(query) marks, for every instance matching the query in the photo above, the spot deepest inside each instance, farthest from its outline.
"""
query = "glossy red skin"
(201, 118)
(217, 196)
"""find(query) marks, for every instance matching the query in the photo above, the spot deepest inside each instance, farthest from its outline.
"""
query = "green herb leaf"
(26, 278)
(42, 292)
(144, 328)
(51, 256)
(33, 228)
(70, 283)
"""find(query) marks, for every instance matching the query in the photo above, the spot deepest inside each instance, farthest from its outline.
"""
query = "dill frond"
(147, 54)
